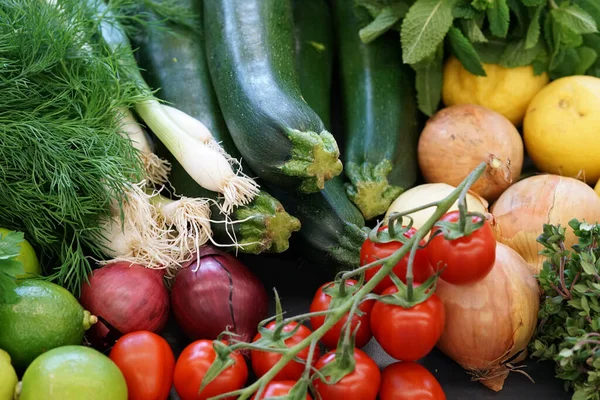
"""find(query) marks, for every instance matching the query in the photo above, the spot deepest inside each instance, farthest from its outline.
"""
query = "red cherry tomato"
(321, 302)
(262, 361)
(467, 259)
(277, 388)
(192, 365)
(409, 381)
(370, 252)
(408, 334)
(147, 363)
(362, 383)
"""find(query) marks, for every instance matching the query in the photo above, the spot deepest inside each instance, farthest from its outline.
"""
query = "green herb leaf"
(533, 3)
(587, 58)
(491, 51)
(10, 268)
(593, 42)
(465, 52)
(574, 18)
(481, 5)
(429, 79)
(533, 32)
(472, 30)
(592, 7)
(463, 9)
(384, 21)
(373, 7)
(517, 55)
(10, 245)
(498, 15)
(424, 28)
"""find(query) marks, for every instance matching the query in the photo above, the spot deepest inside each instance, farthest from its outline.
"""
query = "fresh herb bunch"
(559, 37)
(10, 267)
(569, 327)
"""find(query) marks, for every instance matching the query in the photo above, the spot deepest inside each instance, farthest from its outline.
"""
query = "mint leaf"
(540, 64)
(491, 52)
(592, 41)
(516, 6)
(498, 15)
(465, 52)
(463, 9)
(592, 7)
(373, 7)
(424, 28)
(386, 19)
(472, 30)
(533, 32)
(7, 289)
(516, 55)
(574, 18)
(533, 3)
(481, 5)
(429, 79)
(571, 39)
(10, 245)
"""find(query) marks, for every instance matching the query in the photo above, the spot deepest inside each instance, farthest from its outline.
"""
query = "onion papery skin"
(491, 322)
(130, 297)
(218, 294)
(522, 210)
(459, 138)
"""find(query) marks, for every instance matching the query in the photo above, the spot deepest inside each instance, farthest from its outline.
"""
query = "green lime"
(8, 377)
(45, 316)
(73, 373)
(27, 256)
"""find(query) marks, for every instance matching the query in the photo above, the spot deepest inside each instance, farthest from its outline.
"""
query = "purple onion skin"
(221, 294)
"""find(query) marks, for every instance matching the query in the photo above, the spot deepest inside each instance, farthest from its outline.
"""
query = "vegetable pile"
(437, 160)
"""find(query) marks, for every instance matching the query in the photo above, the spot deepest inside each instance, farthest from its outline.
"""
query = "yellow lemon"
(507, 91)
(561, 129)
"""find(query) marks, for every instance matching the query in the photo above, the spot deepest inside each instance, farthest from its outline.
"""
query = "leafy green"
(516, 54)
(429, 79)
(533, 32)
(10, 268)
(385, 19)
(465, 52)
(574, 18)
(473, 31)
(498, 15)
(569, 315)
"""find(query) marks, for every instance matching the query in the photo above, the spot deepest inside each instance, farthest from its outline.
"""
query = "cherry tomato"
(409, 381)
(370, 252)
(262, 361)
(362, 383)
(467, 259)
(321, 302)
(408, 334)
(277, 388)
(192, 365)
(147, 363)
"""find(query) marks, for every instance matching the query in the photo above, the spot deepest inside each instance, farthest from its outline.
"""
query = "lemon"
(561, 129)
(27, 256)
(8, 377)
(597, 188)
(507, 91)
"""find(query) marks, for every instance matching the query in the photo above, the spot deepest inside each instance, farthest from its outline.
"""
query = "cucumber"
(250, 48)
(333, 229)
(176, 65)
(380, 117)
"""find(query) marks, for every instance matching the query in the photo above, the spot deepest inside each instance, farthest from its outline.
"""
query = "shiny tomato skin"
(192, 365)
(262, 361)
(278, 388)
(370, 252)
(408, 334)
(147, 363)
(467, 259)
(362, 383)
(409, 381)
(321, 302)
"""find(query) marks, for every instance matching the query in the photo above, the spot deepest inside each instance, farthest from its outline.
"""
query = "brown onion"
(217, 292)
(459, 138)
(130, 297)
(490, 323)
(521, 212)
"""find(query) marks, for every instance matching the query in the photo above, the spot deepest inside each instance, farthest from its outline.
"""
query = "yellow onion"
(490, 323)
(459, 138)
(522, 210)
(429, 193)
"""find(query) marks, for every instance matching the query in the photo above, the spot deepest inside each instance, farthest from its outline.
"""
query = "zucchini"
(380, 116)
(250, 48)
(176, 65)
(333, 229)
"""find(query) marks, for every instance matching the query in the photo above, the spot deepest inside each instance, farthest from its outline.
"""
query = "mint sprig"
(10, 268)
(559, 37)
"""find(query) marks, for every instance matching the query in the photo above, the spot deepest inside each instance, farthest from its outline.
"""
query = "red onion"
(219, 293)
(129, 297)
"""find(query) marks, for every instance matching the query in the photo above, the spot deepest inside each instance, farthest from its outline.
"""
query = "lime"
(45, 316)
(27, 256)
(8, 377)
(73, 373)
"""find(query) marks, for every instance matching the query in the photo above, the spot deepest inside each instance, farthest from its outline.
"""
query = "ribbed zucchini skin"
(176, 65)
(250, 48)
(380, 117)
(333, 229)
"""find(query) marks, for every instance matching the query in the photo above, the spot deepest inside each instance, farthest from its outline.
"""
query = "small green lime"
(27, 256)
(45, 316)
(73, 373)
(8, 377)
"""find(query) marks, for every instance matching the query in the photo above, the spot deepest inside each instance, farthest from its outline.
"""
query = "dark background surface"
(297, 280)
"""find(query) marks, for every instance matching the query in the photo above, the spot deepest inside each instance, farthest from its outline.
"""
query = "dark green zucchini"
(250, 48)
(176, 65)
(380, 117)
(333, 229)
